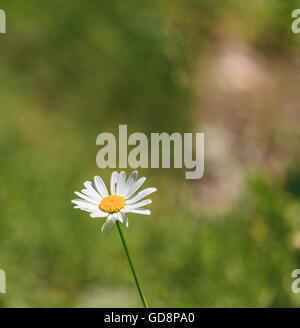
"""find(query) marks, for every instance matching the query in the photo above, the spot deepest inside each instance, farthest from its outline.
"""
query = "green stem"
(132, 266)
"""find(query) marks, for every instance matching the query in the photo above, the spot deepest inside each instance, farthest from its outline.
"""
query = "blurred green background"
(70, 70)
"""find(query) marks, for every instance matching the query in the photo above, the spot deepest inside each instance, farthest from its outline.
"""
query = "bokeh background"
(70, 70)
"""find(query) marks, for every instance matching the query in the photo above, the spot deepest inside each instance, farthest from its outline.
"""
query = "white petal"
(108, 225)
(140, 211)
(84, 205)
(92, 189)
(92, 195)
(99, 214)
(137, 205)
(141, 195)
(119, 217)
(113, 182)
(122, 217)
(100, 185)
(131, 180)
(121, 183)
(89, 199)
(125, 219)
(135, 187)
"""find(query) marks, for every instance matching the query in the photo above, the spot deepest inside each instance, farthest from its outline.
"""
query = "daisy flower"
(123, 198)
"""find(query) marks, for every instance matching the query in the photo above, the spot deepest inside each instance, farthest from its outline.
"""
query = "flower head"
(123, 198)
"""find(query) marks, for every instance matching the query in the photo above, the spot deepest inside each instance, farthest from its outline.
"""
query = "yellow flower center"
(112, 204)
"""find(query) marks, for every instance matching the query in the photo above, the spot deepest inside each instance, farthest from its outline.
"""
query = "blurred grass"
(70, 70)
